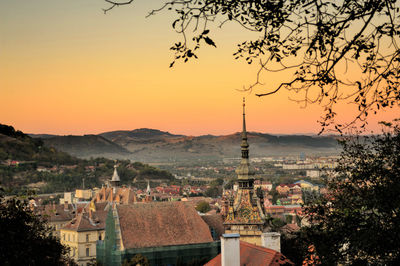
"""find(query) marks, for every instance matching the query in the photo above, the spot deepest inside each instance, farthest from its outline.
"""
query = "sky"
(68, 68)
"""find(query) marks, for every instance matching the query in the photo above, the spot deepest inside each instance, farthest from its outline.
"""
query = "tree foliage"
(203, 206)
(358, 221)
(333, 50)
(136, 260)
(25, 239)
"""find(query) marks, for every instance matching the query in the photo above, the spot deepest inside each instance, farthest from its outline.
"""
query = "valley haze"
(152, 145)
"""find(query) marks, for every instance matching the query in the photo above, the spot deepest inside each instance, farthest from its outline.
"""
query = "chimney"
(271, 240)
(230, 250)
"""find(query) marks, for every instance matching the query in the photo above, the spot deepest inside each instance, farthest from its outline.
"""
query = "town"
(192, 218)
(188, 133)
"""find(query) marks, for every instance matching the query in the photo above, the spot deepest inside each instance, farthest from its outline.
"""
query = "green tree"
(26, 239)
(331, 50)
(203, 206)
(213, 192)
(358, 221)
(137, 260)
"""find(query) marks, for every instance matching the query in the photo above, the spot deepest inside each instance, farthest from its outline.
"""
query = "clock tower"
(245, 214)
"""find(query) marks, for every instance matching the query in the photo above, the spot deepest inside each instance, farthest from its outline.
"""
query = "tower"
(115, 178)
(148, 193)
(245, 214)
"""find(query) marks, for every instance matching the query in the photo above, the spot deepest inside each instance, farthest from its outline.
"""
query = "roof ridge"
(260, 248)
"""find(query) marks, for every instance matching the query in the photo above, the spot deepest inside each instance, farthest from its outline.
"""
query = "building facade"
(83, 231)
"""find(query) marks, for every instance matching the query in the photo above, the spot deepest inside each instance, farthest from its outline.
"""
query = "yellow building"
(83, 194)
(245, 215)
(82, 232)
(307, 185)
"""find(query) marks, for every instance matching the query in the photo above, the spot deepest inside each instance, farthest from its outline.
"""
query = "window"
(99, 236)
(87, 252)
(87, 237)
(64, 237)
(69, 238)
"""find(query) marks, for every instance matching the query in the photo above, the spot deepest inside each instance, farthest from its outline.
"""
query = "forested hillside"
(27, 164)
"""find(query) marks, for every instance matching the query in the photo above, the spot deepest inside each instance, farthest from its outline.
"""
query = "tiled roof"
(252, 255)
(290, 228)
(122, 195)
(56, 213)
(216, 222)
(161, 224)
(89, 220)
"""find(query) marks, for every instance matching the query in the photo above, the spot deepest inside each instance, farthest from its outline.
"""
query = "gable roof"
(89, 220)
(161, 224)
(252, 255)
(122, 195)
(56, 213)
(216, 222)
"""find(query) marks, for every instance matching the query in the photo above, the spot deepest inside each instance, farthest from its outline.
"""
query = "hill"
(27, 163)
(87, 146)
(141, 133)
(169, 147)
(151, 145)
(17, 146)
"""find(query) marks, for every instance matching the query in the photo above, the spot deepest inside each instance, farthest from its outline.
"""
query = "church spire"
(115, 178)
(244, 145)
(148, 190)
(244, 170)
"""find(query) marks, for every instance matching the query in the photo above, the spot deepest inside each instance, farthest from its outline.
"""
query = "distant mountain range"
(86, 146)
(151, 145)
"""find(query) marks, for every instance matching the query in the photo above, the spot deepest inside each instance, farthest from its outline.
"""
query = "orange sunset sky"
(67, 68)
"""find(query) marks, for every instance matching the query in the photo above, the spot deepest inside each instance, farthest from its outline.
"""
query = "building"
(56, 215)
(307, 185)
(88, 225)
(263, 185)
(80, 195)
(114, 193)
(166, 233)
(240, 253)
(83, 231)
(245, 215)
(83, 194)
(215, 223)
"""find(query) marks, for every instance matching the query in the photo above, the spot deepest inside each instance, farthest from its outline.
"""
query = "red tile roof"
(161, 224)
(56, 213)
(122, 195)
(216, 222)
(252, 255)
(89, 220)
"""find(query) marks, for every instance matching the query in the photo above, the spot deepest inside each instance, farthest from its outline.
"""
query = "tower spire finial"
(244, 133)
